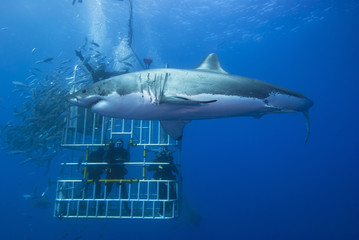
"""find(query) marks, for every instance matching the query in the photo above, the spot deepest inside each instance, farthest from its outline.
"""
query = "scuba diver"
(94, 172)
(147, 62)
(116, 155)
(100, 72)
(165, 171)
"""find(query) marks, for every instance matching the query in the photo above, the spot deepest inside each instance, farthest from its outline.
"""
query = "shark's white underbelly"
(145, 107)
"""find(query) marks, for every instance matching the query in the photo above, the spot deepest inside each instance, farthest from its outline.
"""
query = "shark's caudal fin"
(174, 127)
(211, 63)
(307, 119)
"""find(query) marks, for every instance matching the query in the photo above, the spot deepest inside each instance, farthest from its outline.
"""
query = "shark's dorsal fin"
(211, 63)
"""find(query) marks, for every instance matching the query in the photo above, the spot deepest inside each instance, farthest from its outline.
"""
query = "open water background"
(248, 178)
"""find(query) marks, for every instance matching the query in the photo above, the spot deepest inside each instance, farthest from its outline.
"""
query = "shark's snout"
(72, 100)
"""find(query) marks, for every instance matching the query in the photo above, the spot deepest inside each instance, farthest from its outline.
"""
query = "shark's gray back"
(193, 82)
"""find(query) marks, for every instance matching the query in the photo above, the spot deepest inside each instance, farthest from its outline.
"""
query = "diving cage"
(140, 194)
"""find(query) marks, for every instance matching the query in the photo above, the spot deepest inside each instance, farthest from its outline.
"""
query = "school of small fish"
(36, 131)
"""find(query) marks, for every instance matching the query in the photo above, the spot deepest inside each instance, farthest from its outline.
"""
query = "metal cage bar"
(87, 130)
(90, 207)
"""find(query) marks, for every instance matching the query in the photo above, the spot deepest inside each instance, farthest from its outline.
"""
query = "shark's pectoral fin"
(174, 128)
(307, 119)
(273, 108)
(183, 100)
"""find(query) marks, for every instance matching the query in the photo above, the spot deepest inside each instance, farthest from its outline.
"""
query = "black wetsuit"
(165, 172)
(94, 172)
(97, 74)
(114, 156)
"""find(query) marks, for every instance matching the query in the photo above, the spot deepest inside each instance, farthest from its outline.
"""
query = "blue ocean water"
(247, 178)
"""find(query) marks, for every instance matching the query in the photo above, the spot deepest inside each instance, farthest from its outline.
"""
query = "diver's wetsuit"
(94, 172)
(117, 155)
(165, 172)
(97, 74)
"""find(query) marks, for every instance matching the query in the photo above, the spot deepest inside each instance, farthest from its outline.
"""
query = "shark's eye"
(266, 101)
(84, 91)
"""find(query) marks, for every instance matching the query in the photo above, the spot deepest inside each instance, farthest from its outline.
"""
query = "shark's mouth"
(95, 102)
(87, 102)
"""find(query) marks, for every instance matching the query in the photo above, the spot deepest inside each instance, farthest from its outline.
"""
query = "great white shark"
(177, 96)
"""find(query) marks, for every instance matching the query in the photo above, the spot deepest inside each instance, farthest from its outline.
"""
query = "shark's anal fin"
(183, 100)
(307, 120)
(174, 128)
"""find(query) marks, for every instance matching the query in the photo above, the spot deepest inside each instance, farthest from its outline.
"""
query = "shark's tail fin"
(307, 119)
